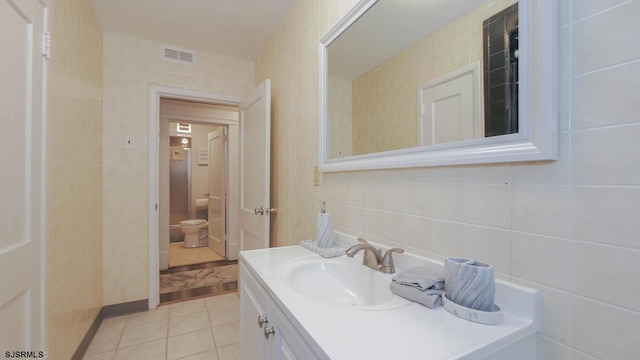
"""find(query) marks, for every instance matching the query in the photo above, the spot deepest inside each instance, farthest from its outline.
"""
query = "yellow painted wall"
(74, 152)
(290, 60)
(131, 65)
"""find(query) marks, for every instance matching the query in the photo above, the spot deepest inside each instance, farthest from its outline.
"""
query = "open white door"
(218, 191)
(255, 159)
(22, 189)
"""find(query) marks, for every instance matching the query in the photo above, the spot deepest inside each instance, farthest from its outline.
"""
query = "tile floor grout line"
(124, 327)
(215, 343)
(209, 318)
(166, 343)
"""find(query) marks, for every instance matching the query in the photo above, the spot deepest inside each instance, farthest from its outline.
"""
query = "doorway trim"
(155, 93)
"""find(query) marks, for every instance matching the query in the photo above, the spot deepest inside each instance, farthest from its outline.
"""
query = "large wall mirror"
(406, 83)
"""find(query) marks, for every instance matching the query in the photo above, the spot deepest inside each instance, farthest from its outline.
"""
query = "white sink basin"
(341, 281)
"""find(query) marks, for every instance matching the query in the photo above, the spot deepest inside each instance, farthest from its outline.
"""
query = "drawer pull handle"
(262, 320)
(268, 331)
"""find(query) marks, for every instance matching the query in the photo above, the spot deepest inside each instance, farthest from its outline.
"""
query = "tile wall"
(568, 228)
(131, 65)
(74, 259)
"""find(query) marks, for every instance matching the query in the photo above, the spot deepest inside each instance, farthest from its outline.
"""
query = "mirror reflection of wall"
(378, 107)
(340, 112)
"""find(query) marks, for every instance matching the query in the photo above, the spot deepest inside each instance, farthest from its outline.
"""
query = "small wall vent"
(178, 55)
(184, 128)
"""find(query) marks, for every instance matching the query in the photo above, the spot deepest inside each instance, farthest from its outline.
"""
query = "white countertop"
(408, 332)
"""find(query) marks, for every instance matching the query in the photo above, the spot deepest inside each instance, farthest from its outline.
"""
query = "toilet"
(196, 232)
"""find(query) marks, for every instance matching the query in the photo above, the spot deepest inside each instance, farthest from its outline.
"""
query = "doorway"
(250, 137)
(193, 199)
(188, 177)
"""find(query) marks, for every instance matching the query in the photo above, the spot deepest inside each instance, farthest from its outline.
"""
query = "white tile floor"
(207, 328)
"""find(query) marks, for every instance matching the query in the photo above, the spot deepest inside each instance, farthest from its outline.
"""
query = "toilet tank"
(202, 204)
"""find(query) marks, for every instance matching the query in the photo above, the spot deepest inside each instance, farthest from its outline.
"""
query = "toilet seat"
(193, 222)
(194, 231)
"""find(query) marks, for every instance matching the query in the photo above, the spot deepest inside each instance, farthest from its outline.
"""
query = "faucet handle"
(356, 246)
(366, 260)
(387, 261)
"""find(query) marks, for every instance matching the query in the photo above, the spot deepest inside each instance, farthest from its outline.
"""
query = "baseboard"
(164, 259)
(125, 308)
(234, 251)
(107, 312)
(86, 340)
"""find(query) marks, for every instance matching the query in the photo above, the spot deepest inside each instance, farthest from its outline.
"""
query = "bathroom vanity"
(285, 317)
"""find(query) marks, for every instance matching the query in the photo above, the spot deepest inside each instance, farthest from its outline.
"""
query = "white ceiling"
(234, 27)
(388, 28)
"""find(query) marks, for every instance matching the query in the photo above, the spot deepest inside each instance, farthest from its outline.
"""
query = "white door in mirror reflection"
(450, 107)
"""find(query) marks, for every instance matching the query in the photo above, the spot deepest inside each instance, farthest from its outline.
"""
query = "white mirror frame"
(537, 139)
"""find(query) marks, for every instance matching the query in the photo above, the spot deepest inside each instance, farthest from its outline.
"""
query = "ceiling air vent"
(178, 55)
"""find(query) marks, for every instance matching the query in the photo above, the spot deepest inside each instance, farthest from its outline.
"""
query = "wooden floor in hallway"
(181, 256)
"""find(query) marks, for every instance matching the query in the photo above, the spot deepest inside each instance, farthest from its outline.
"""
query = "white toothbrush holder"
(469, 283)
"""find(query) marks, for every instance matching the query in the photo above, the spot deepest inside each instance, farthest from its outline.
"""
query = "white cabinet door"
(283, 343)
(253, 304)
(287, 343)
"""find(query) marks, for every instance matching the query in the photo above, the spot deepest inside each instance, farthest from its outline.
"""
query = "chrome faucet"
(373, 257)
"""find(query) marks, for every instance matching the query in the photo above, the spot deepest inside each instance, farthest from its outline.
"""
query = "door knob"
(262, 320)
(268, 331)
(259, 211)
(270, 211)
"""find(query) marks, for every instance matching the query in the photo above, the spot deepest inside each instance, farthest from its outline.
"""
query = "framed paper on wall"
(203, 156)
